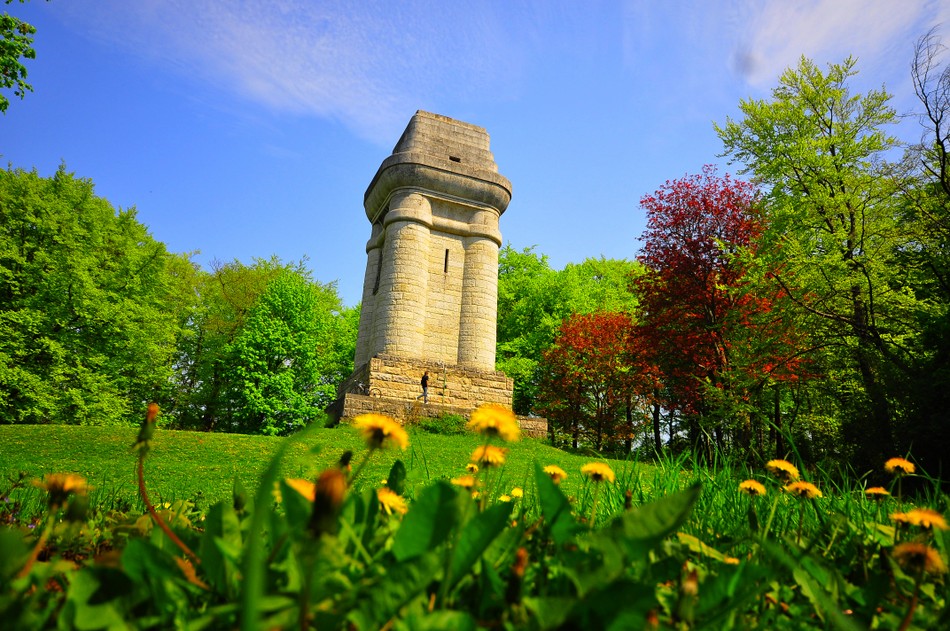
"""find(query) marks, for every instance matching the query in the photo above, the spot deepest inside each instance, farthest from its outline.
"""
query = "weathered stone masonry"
(430, 291)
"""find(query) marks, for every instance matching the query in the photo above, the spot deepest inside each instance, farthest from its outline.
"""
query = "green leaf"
(94, 600)
(397, 478)
(402, 583)
(428, 523)
(13, 553)
(477, 534)
(555, 508)
(438, 621)
(222, 531)
(643, 527)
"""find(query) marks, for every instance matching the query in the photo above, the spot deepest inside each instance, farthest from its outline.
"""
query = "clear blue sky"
(252, 128)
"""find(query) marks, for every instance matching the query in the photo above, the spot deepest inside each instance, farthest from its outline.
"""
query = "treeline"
(97, 318)
(808, 310)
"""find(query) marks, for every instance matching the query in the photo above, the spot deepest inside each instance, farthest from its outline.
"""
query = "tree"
(710, 332)
(266, 349)
(91, 305)
(588, 385)
(833, 230)
(533, 301)
(16, 43)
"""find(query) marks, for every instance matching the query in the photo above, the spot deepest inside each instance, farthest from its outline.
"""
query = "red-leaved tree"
(708, 323)
(592, 381)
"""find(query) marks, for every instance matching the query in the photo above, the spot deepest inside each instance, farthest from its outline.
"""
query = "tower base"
(391, 385)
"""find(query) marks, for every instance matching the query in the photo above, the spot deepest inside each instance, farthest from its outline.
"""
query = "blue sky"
(248, 128)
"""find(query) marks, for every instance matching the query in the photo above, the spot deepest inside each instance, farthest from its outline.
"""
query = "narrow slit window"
(455, 159)
(445, 266)
(379, 271)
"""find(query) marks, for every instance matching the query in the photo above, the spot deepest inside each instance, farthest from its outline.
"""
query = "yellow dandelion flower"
(556, 473)
(330, 489)
(517, 492)
(488, 456)
(924, 518)
(305, 487)
(899, 466)
(803, 489)
(505, 498)
(900, 518)
(391, 501)
(782, 469)
(464, 481)
(919, 557)
(492, 419)
(62, 485)
(598, 472)
(728, 560)
(471, 468)
(876, 493)
(751, 487)
(380, 430)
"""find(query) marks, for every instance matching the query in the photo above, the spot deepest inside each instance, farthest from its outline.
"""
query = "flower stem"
(35, 552)
(155, 516)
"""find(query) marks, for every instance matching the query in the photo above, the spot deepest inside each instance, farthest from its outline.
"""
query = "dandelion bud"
(328, 498)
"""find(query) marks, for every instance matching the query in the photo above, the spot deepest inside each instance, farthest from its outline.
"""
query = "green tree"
(266, 348)
(533, 301)
(90, 304)
(290, 355)
(16, 44)
(833, 229)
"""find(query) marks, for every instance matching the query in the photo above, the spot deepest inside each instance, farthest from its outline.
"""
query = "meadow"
(263, 532)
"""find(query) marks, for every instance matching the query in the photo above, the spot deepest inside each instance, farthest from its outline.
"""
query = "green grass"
(202, 466)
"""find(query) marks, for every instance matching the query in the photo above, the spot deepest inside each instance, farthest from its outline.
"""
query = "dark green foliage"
(444, 424)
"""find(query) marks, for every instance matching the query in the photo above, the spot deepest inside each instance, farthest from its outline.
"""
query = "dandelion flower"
(488, 456)
(728, 560)
(782, 469)
(751, 487)
(391, 501)
(899, 466)
(62, 485)
(305, 487)
(492, 419)
(598, 472)
(803, 489)
(464, 481)
(380, 430)
(471, 468)
(922, 517)
(556, 473)
(876, 493)
(919, 557)
(505, 498)
(328, 498)
(517, 492)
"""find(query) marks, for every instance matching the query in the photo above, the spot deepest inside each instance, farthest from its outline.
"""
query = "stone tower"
(430, 291)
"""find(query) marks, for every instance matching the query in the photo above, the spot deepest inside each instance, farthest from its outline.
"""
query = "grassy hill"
(203, 466)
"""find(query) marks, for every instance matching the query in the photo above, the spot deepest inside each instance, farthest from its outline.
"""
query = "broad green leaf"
(555, 508)
(475, 537)
(643, 527)
(402, 583)
(438, 621)
(94, 600)
(397, 478)
(13, 553)
(428, 523)
(550, 612)
(222, 528)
